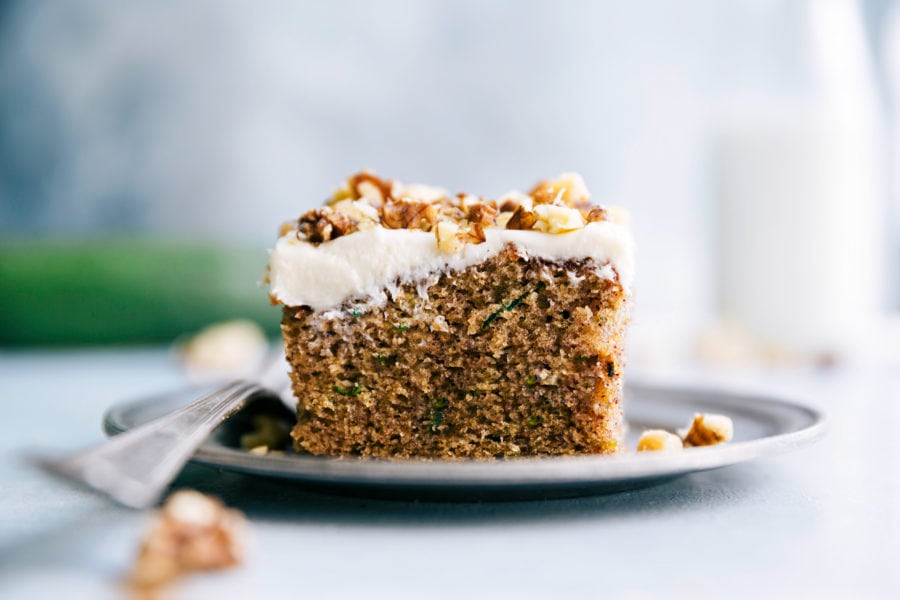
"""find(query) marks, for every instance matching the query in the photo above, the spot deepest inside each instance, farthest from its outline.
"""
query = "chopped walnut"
(708, 430)
(323, 224)
(193, 533)
(467, 202)
(557, 219)
(521, 219)
(510, 201)
(371, 187)
(447, 235)
(483, 214)
(364, 185)
(451, 237)
(365, 201)
(370, 192)
(655, 440)
(503, 219)
(509, 206)
(361, 213)
(596, 214)
(475, 234)
(450, 208)
(568, 189)
(409, 215)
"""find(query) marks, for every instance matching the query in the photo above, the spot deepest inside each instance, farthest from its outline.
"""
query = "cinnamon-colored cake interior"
(509, 357)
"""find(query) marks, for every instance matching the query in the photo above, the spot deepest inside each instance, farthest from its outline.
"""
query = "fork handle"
(135, 467)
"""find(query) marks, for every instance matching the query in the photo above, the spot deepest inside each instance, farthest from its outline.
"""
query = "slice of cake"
(419, 323)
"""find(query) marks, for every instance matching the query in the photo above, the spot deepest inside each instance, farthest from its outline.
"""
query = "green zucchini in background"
(126, 291)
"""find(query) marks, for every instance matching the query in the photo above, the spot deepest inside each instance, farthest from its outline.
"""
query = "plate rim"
(518, 471)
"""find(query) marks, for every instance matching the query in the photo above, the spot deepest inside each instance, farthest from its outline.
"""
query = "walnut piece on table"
(193, 532)
(225, 350)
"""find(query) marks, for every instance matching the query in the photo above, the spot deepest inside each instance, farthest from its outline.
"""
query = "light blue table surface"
(821, 522)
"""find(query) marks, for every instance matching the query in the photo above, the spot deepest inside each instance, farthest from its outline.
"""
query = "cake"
(423, 324)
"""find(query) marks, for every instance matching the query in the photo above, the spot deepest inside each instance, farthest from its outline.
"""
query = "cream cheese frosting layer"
(364, 263)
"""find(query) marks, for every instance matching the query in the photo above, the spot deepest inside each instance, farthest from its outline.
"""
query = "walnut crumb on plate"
(708, 430)
(655, 440)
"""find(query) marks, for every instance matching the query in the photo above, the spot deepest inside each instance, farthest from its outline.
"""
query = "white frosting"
(364, 263)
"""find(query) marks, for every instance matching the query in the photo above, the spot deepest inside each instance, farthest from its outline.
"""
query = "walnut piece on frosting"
(597, 214)
(557, 219)
(365, 201)
(409, 214)
(448, 239)
(369, 186)
(451, 238)
(522, 218)
(568, 189)
(482, 213)
(512, 200)
(361, 213)
(324, 224)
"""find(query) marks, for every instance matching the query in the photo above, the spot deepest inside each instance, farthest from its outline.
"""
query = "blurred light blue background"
(219, 120)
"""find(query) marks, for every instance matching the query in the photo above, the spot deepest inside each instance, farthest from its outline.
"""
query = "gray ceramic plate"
(763, 426)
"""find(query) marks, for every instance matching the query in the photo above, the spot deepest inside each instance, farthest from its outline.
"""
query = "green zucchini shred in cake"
(423, 324)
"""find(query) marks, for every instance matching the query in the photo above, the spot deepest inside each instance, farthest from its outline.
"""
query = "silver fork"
(135, 467)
